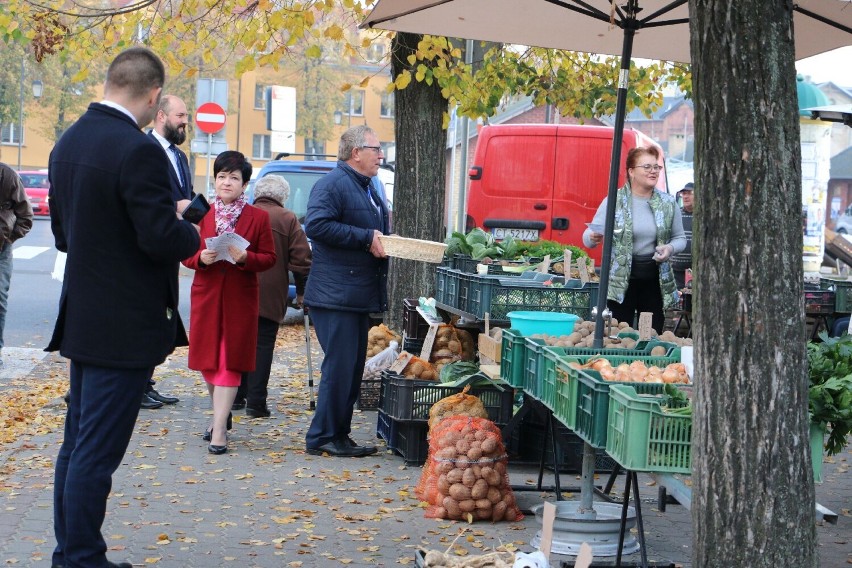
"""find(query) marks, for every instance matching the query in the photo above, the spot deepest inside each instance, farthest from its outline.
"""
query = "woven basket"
(413, 249)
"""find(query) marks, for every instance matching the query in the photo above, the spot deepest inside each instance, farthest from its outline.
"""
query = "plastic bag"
(379, 362)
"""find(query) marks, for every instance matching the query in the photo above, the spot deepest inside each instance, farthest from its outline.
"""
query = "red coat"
(225, 296)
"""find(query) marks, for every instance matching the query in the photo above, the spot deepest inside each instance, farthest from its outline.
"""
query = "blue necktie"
(179, 162)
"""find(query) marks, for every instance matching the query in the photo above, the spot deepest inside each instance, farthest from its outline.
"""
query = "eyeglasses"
(376, 148)
(650, 167)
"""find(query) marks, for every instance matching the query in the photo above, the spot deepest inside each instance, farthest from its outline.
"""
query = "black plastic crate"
(413, 346)
(528, 442)
(407, 399)
(370, 394)
(405, 437)
(413, 324)
(819, 301)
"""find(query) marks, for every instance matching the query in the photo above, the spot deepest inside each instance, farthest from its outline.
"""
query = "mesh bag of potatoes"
(379, 338)
(459, 404)
(465, 474)
(451, 344)
(418, 369)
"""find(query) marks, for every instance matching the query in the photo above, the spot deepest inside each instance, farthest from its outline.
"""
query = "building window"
(260, 97)
(11, 134)
(386, 110)
(376, 52)
(260, 147)
(355, 100)
(314, 147)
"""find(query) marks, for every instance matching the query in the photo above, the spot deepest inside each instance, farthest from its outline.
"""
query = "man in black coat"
(170, 132)
(111, 210)
(348, 281)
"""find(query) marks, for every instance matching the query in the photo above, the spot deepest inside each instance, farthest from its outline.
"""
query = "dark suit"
(113, 213)
(178, 191)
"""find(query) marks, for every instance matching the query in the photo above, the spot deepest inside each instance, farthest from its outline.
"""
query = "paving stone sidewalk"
(266, 503)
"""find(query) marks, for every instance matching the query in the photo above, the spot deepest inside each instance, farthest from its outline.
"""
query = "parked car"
(36, 185)
(843, 224)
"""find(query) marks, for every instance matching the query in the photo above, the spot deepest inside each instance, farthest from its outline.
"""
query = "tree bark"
(419, 178)
(753, 494)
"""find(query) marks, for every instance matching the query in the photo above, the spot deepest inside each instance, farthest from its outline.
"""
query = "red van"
(543, 181)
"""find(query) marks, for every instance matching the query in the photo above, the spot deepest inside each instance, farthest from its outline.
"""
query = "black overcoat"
(112, 211)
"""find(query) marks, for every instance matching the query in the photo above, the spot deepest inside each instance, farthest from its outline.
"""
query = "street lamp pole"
(21, 115)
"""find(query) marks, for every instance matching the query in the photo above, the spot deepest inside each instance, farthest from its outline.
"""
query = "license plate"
(517, 234)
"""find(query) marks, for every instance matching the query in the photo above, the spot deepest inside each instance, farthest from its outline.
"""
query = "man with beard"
(170, 132)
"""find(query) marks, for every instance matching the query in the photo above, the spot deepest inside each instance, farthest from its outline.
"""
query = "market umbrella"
(597, 26)
(833, 113)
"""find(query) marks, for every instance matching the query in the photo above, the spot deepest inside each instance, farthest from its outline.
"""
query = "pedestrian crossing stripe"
(28, 252)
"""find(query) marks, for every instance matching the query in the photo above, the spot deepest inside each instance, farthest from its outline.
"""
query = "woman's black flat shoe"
(207, 435)
(217, 450)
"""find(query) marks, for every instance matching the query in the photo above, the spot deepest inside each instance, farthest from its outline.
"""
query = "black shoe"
(370, 450)
(164, 398)
(67, 398)
(149, 403)
(217, 450)
(338, 448)
(258, 412)
(239, 404)
(207, 435)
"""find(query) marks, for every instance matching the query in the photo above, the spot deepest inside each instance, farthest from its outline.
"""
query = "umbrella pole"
(617, 136)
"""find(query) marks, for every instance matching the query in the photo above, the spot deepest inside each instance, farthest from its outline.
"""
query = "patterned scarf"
(228, 214)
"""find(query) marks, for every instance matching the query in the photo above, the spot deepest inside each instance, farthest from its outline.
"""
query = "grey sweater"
(644, 229)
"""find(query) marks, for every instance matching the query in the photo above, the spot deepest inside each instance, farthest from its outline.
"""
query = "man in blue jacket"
(111, 210)
(348, 282)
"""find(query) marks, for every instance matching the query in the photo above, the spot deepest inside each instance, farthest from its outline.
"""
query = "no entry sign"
(210, 118)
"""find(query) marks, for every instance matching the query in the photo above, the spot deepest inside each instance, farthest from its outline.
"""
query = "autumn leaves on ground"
(265, 501)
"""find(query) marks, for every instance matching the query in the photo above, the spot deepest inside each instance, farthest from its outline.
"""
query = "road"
(34, 294)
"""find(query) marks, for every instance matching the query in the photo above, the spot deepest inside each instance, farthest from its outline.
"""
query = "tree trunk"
(419, 178)
(753, 494)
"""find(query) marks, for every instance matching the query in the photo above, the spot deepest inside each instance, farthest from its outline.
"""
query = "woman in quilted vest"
(647, 231)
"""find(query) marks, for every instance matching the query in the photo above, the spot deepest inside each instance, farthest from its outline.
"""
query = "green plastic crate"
(512, 358)
(565, 403)
(641, 437)
(533, 380)
(842, 293)
(488, 294)
(817, 449)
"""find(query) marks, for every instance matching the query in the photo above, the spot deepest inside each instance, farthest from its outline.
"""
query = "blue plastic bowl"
(550, 323)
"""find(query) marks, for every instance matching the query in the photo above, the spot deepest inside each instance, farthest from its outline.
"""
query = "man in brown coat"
(293, 255)
(16, 219)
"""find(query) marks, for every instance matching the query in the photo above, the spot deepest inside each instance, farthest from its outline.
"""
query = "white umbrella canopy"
(586, 25)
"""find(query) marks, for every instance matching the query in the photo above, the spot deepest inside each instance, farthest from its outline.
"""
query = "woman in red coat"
(224, 297)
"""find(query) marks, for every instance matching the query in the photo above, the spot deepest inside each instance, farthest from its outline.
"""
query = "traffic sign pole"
(210, 119)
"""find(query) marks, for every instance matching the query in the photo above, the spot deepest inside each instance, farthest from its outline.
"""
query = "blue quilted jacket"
(342, 215)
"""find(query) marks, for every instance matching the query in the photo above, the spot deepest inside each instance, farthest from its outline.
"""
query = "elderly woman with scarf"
(224, 297)
(648, 231)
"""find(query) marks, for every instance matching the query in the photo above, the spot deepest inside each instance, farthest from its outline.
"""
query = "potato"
(452, 507)
(462, 447)
(659, 351)
(446, 454)
(455, 476)
(454, 346)
(444, 467)
(479, 490)
(500, 468)
(482, 514)
(575, 337)
(499, 511)
(489, 445)
(494, 495)
(510, 515)
(509, 499)
(459, 492)
(443, 485)
(474, 453)
(469, 478)
(467, 506)
(440, 513)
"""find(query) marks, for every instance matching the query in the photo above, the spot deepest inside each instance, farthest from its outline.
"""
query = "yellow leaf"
(153, 559)
(403, 80)
(470, 518)
(144, 466)
(364, 83)
(390, 87)
(334, 32)
(345, 87)
(314, 51)
(411, 59)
